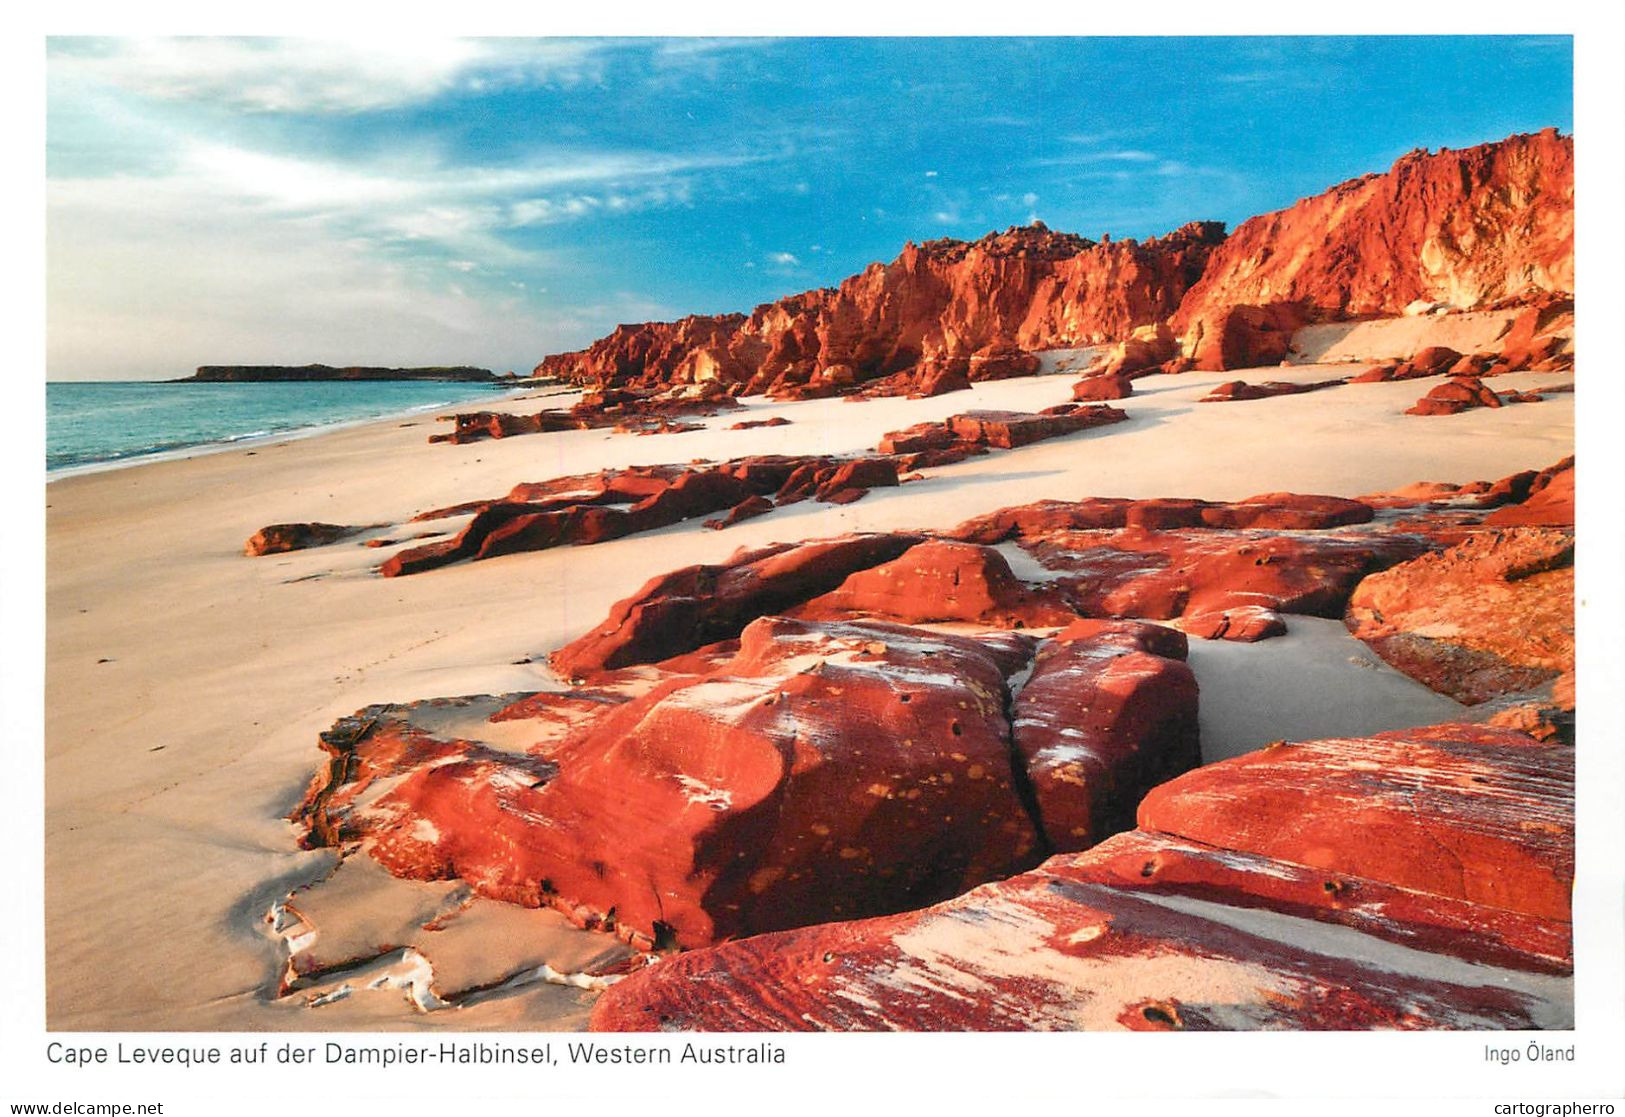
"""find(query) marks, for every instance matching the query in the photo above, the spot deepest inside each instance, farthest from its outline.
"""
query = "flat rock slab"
(1156, 931)
(1466, 812)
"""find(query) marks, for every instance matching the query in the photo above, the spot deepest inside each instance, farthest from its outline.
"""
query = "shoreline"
(253, 439)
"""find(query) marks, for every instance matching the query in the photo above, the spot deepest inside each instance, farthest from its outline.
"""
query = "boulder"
(276, 539)
(938, 581)
(1108, 713)
(1454, 396)
(1492, 615)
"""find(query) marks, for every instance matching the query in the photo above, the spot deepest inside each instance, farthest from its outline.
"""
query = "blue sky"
(490, 201)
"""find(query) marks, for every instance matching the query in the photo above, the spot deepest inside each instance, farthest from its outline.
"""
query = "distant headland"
(287, 373)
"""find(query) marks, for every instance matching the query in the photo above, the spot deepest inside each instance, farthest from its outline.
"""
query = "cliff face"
(1463, 228)
(1487, 224)
(942, 303)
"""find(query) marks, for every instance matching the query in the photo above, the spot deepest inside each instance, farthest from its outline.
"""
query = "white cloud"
(323, 75)
(783, 259)
(1084, 158)
(239, 255)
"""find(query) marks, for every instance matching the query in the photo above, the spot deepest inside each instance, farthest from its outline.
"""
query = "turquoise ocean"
(99, 425)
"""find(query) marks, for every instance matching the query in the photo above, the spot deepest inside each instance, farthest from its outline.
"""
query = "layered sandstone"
(964, 311)
(1412, 880)
(1491, 225)
(1458, 229)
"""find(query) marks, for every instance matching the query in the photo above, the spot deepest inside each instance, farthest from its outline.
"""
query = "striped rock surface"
(1414, 880)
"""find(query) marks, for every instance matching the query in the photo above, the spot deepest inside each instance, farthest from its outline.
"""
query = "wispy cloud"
(1086, 158)
(284, 75)
(321, 75)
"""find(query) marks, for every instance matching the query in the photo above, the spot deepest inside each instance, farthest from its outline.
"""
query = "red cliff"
(1463, 229)
(972, 308)
(1484, 225)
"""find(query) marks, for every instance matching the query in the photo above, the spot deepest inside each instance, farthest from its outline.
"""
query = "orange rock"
(1492, 615)
(975, 310)
(1467, 228)
(276, 539)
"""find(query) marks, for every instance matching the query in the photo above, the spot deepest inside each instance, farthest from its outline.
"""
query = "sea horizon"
(97, 425)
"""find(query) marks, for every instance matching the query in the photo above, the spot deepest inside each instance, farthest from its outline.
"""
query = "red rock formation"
(954, 309)
(1280, 511)
(747, 509)
(1474, 814)
(624, 411)
(698, 605)
(1454, 396)
(1108, 713)
(1321, 893)
(1465, 228)
(941, 581)
(1545, 499)
(1532, 338)
(1097, 389)
(1484, 226)
(1242, 336)
(588, 509)
(1219, 584)
(275, 539)
(1004, 430)
(1492, 615)
(1233, 390)
(821, 772)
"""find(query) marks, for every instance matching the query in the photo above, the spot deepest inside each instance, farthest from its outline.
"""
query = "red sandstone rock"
(1281, 511)
(977, 310)
(1455, 396)
(1376, 375)
(1477, 227)
(589, 509)
(747, 509)
(1530, 339)
(1241, 390)
(1243, 336)
(941, 581)
(751, 424)
(921, 436)
(1095, 389)
(1434, 359)
(1467, 228)
(1480, 815)
(1546, 500)
(1219, 583)
(1108, 713)
(822, 772)
(1007, 429)
(1321, 892)
(1490, 616)
(1143, 351)
(275, 539)
(698, 605)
